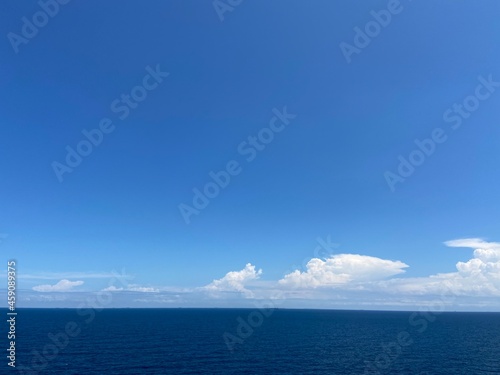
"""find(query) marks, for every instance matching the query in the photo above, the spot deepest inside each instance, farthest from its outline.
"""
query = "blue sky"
(324, 175)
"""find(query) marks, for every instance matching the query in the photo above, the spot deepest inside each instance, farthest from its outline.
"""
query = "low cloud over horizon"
(339, 280)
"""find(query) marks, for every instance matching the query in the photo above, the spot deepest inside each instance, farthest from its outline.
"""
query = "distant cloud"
(235, 281)
(342, 269)
(112, 288)
(348, 273)
(74, 275)
(342, 280)
(131, 288)
(62, 286)
(142, 289)
(477, 277)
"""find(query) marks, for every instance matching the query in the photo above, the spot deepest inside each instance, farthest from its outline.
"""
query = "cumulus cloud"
(484, 251)
(351, 280)
(62, 286)
(235, 281)
(342, 269)
(479, 276)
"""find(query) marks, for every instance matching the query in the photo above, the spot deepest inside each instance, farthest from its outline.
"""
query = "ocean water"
(251, 341)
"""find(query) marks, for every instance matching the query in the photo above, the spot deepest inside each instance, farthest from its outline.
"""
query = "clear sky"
(314, 122)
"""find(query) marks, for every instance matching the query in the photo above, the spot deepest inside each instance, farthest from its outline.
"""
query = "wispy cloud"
(62, 286)
(131, 288)
(71, 275)
(473, 243)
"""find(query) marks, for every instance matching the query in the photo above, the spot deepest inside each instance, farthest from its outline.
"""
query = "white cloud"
(112, 288)
(62, 286)
(484, 251)
(342, 269)
(131, 288)
(473, 243)
(76, 275)
(479, 276)
(349, 280)
(235, 281)
(142, 289)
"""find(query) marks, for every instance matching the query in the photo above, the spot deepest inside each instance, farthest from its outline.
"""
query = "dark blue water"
(246, 341)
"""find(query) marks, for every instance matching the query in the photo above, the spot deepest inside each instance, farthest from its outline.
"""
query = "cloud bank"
(338, 281)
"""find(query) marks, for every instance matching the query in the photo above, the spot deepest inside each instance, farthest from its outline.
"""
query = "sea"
(251, 341)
